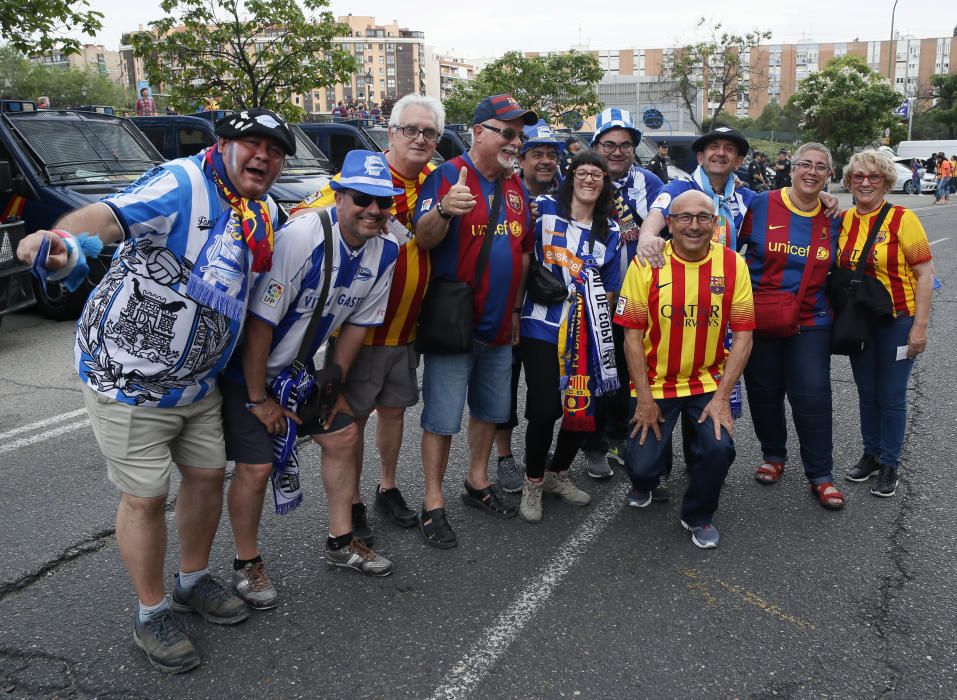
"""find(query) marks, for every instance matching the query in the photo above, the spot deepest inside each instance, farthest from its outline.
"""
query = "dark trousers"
(512, 421)
(798, 367)
(711, 457)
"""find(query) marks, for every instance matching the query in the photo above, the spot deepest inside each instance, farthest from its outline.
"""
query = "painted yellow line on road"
(699, 586)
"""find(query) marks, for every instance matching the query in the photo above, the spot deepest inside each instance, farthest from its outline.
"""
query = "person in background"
(538, 162)
(782, 170)
(145, 107)
(789, 236)
(944, 173)
(757, 172)
(915, 177)
(572, 146)
(576, 240)
(659, 164)
(43, 102)
(901, 260)
(953, 174)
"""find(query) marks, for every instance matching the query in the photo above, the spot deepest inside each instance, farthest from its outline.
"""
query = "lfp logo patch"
(272, 294)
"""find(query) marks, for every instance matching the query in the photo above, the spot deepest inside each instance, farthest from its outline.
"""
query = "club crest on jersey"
(881, 237)
(514, 201)
(363, 274)
(823, 253)
(717, 285)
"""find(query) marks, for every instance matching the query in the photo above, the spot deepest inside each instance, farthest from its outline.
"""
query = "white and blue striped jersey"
(739, 203)
(639, 188)
(140, 339)
(286, 297)
(560, 245)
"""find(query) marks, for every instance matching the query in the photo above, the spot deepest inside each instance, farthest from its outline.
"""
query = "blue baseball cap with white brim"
(541, 134)
(366, 172)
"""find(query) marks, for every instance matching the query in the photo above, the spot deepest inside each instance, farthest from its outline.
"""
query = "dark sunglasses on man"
(361, 199)
(508, 133)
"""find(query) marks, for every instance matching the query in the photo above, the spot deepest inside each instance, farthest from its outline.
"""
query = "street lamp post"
(891, 53)
(368, 77)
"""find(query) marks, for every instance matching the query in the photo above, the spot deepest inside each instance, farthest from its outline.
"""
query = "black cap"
(257, 121)
(664, 144)
(722, 132)
(783, 150)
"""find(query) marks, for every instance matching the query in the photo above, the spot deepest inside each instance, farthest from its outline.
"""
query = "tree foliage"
(550, 85)
(944, 112)
(717, 67)
(244, 53)
(845, 105)
(24, 79)
(38, 26)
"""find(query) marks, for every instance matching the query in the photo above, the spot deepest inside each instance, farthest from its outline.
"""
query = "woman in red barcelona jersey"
(790, 238)
(901, 261)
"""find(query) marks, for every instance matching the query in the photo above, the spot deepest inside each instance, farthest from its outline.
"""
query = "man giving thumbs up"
(462, 202)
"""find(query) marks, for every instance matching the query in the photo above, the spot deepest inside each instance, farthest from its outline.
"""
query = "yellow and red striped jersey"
(685, 309)
(900, 244)
(412, 269)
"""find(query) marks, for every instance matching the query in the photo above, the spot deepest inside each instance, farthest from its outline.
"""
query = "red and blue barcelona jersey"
(782, 240)
(456, 257)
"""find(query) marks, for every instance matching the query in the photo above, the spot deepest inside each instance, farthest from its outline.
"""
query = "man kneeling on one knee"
(676, 319)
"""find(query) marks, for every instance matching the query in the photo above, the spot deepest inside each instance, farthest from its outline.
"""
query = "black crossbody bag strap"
(306, 346)
(869, 244)
(482, 262)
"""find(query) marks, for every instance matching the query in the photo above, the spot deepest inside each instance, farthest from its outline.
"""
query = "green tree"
(770, 117)
(244, 53)
(24, 79)
(719, 67)
(550, 85)
(845, 105)
(944, 112)
(38, 26)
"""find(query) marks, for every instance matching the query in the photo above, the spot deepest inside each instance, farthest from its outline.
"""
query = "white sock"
(145, 612)
(187, 581)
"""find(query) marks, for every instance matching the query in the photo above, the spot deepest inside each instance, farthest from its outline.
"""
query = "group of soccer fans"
(207, 303)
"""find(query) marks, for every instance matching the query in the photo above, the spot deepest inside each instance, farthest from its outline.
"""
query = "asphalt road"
(603, 601)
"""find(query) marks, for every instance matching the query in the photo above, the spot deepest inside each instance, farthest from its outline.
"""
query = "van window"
(191, 141)
(155, 135)
(340, 145)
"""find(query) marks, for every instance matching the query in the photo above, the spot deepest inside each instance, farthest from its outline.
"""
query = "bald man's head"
(691, 222)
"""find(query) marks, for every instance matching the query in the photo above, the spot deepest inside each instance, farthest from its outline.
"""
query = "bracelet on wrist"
(251, 404)
(444, 214)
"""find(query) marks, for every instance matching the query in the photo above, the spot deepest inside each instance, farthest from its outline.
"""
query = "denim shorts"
(483, 376)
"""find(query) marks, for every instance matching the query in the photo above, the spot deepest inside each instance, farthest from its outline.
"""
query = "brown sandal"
(769, 473)
(828, 496)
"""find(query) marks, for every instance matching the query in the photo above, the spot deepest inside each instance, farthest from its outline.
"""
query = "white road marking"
(940, 240)
(62, 418)
(466, 675)
(40, 437)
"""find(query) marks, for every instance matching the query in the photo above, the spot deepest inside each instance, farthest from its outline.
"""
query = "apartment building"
(94, 57)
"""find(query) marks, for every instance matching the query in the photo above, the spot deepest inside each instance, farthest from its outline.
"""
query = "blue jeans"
(798, 367)
(943, 188)
(711, 457)
(882, 391)
(482, 376)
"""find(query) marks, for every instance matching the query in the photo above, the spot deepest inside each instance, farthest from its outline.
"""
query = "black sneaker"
(390, 503)
(886, 484)
(360, 525)
(211, 599)
(865, 468)
(164, 640)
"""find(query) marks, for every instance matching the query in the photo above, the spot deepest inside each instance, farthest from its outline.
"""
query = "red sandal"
(828, 496)
(769, 473)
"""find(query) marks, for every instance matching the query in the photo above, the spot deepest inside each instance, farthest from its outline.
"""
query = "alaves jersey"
(287, 297)
(140, 339)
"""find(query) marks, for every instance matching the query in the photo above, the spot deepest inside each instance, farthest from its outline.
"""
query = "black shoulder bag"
(310, 394)
(446, 320)
(860, 303)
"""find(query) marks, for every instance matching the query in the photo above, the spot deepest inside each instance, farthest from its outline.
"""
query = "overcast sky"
(491, 27)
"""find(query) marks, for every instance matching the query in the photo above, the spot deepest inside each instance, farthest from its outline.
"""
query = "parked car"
(16, 289)
(905, 181)
(61, 160)
(178, 136)
(336, 139)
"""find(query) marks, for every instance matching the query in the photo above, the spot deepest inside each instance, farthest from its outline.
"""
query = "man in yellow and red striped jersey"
(383, 376)
(675, 319)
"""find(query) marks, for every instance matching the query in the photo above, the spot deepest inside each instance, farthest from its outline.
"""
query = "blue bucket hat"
(615, 118)
(366, 172)
(541, 134)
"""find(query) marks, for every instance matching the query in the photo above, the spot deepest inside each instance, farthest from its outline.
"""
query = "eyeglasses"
(610, 147)
(873, 178)
(589, 175)
(508, 133)
(361, 199)
(808, 165)
(685, 219)
(412, 132)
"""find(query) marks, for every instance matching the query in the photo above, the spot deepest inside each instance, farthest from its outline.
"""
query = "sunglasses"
(508, 133)
(361, 199)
